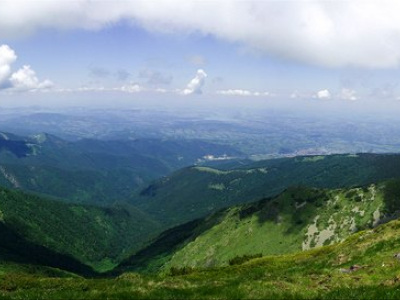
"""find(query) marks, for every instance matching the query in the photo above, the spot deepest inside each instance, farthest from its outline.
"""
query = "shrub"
(175, 271)
(238, 260)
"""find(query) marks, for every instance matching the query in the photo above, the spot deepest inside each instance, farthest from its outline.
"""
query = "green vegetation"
(238, 260)
(99, 237)
(17, 249)
(361, 267)
(297, 242)
(300, 218)
(194, 192)
(93, 171)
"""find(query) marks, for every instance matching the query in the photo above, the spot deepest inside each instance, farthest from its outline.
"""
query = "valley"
(96, 236)
(94, 171)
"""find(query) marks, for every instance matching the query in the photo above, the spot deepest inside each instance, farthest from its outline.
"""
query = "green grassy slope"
(194, 192)
(99, 237)
(298, 219)
(323, 273)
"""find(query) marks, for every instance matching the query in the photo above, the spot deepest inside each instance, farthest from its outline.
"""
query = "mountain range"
(195, 191)
(94, 171)
(196, 229)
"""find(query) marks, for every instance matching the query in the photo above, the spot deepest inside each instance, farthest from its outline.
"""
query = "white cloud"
(88, 89)
(329, 33)
(294, 95)
(344, 94)
(240, 92)
(194, 86)
(323, 94)
(348, 94)
(7, 57)
(25, 79)
(236, 92)
(131, 88)
(127, 88)
(161, 90)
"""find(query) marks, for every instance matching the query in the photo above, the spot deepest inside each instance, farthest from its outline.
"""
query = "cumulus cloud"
(344, 94)
(195, 85)
(7, 58)
(323, 94)
(24, 79)
(328, 33)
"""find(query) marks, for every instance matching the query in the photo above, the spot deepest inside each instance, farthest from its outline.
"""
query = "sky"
(269, 50)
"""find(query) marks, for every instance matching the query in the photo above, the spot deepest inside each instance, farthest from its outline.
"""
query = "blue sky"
(271, 49)
(71, 56)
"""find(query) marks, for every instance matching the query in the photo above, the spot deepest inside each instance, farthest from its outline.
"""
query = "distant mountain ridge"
(93, 171)
(194, 192)
(14, 144)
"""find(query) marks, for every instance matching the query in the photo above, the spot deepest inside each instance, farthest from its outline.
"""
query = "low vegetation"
(363, 266)
(298, 219)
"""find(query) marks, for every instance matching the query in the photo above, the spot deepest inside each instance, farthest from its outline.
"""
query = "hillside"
(17, 252)
(194, 192)
(93, 171)
(361, 267)
(298, 219)
(99, 237)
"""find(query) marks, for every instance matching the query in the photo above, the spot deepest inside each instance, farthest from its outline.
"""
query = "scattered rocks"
(355, 268)
(344, 270)
(397, 256)
(352, 268)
